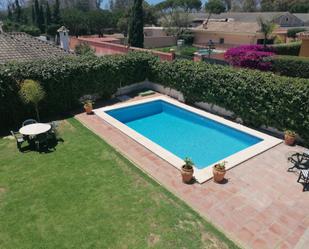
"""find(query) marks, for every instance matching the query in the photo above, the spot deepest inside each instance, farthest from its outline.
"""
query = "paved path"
(261, 205)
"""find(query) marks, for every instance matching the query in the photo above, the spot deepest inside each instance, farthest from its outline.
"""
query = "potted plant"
(187, 170)
(88, 102)
(289, 137)
(219, 171)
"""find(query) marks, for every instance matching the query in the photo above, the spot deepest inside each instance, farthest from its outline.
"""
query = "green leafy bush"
(292, 33)
(292, 48)
(292, 66)
(257, 97)
(65, 81)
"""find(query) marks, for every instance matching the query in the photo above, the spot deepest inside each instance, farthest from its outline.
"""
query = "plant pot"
(218, 174)
(88, 108)
(187, 174)
(289, 140)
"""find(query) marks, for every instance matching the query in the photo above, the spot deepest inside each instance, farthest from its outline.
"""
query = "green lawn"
(86, 195)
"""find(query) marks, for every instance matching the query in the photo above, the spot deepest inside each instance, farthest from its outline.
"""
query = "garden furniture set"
(301, 162)
(36, 134)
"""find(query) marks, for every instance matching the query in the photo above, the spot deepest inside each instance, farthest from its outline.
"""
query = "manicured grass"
(86, 195)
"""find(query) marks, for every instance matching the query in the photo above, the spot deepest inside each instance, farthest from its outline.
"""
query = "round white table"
(34, 129)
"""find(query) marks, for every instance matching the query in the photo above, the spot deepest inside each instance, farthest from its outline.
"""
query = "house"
(304, 49)
(156, 37)
(228, 33)
(233, 28)
(19, 46)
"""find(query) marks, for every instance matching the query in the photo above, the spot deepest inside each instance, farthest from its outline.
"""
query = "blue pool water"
(184, 133)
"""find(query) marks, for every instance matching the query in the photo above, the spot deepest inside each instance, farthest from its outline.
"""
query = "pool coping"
(201, 175)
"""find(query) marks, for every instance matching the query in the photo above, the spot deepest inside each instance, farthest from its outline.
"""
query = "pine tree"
(10, 15)
(56, 13)
(136, 25)
(17, 11)
(41, 18)
(33, 14)
(36, 12)
(47, 15)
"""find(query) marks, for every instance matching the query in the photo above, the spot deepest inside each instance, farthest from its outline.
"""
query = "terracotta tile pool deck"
(260, 206)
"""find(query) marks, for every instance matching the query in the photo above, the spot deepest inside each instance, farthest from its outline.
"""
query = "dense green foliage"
(292, 48)
(65, 81)
(136, 27)
(257, 97)
(293, 66)
(292, 33)
(86, 195)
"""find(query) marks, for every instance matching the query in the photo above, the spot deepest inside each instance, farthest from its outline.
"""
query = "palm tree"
(267, 27)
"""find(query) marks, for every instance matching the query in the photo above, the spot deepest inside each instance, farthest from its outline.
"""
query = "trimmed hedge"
(258, 98)
(292, 66)
(292, 48)
(65, 81)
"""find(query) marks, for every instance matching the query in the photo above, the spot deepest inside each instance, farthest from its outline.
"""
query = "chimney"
(64, 38)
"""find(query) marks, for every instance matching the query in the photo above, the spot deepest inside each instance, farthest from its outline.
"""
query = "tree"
(136, 27)
(36, 12)
(249, 6)
(176, 15)
(31, 92)
(40, 19)
(48, 18)
(98, 21)
(267, 27)
(267, 5)
(75, 21)
(33, 18)
(214, 7)
(56, 13)
(10, 14)
(17, 12)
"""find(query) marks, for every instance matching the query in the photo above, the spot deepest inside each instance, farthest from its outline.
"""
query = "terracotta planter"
(218, 174)
(187, 174)
(289, 140)
(88, 108)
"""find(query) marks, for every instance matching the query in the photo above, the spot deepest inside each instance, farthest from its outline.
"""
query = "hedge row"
(257, 97)
(292, 66)
(65, 81)
(292, 48)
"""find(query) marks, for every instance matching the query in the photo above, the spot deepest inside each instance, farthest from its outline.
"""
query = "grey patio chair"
(304, 176)
(29, 121)
(19, 139)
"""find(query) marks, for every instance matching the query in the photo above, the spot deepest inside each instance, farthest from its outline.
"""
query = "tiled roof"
(250, 16)
(231, 27)
(23, 47)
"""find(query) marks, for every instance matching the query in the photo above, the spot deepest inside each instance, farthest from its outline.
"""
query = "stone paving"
(260, 206)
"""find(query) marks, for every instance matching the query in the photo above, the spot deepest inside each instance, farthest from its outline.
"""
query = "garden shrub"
(292, 33)
(292, 66)
(292, 48)
(65, 80)
(250, 56)
(257, 97)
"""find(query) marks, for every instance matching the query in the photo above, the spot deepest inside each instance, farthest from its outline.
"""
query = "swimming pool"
(174, 131)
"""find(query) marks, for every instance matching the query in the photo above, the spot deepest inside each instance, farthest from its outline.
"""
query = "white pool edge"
(201, 175)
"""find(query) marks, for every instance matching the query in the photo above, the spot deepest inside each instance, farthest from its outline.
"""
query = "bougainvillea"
(250, 56)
